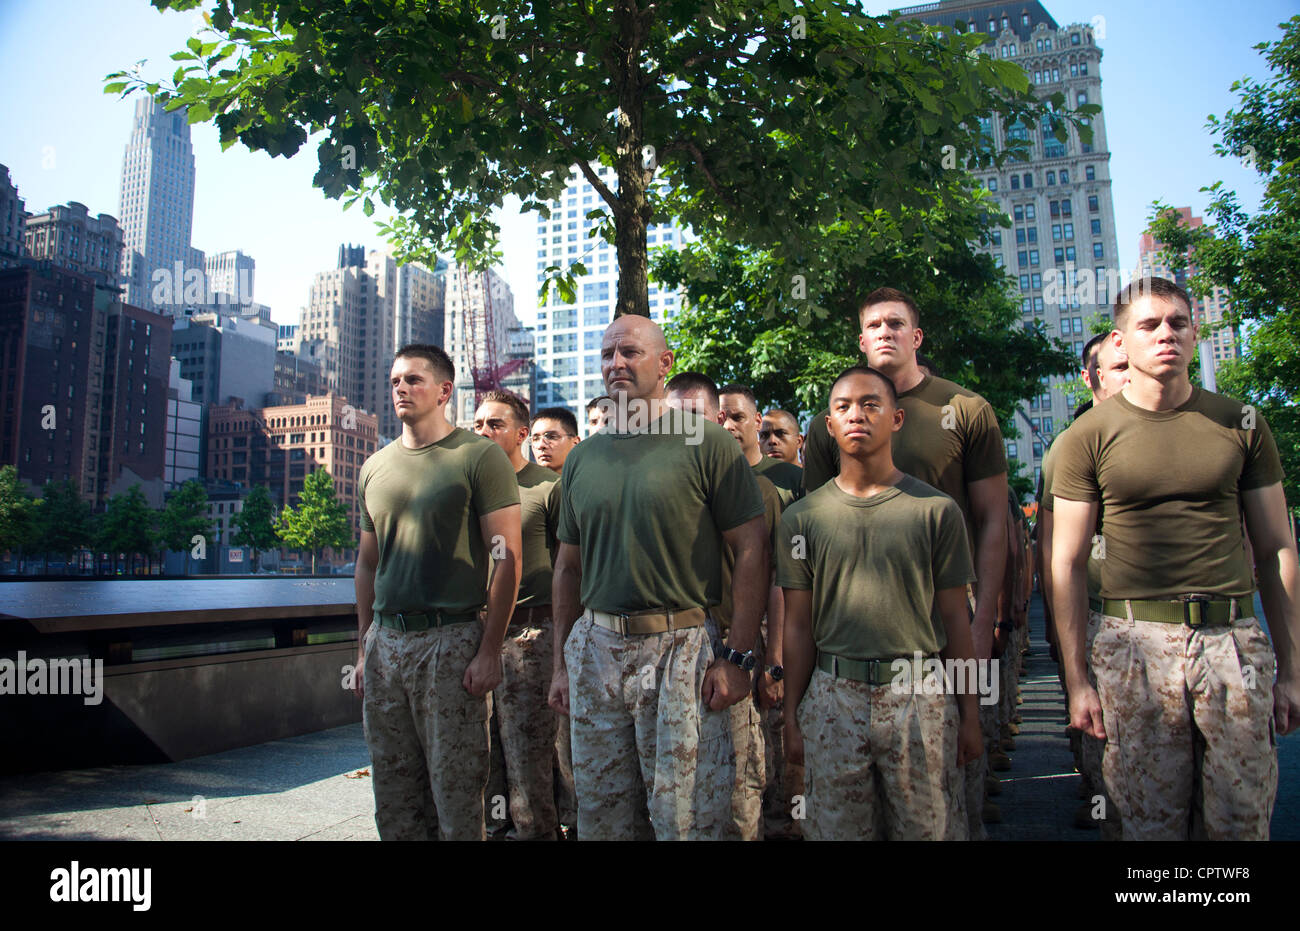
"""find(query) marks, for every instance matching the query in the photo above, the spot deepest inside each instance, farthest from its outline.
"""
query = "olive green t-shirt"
(1045, 502)
(647, 511)
(539, 497)
(787, 477)
(772, 518)
(1169, 484)
(424, 506)
(873, 566)
(950, 438)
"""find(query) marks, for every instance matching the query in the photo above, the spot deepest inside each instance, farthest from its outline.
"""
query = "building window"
(1097, 251)
(1033, 256)
(1051, 178)
(1065, 176)
(1029, 180)
(1090, 173)
(1015, 182)
(996, 237)
(1093, 204)
(1096, 227)
(993, 184)
(1074, 38)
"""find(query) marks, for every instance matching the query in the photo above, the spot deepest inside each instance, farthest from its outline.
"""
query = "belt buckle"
(401, 621)
(622, 621)
(1202, 601)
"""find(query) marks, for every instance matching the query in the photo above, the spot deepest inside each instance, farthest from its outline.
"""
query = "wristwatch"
(776, 672)
(746, 661)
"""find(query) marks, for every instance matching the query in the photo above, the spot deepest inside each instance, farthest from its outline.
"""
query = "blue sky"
(1165, 66)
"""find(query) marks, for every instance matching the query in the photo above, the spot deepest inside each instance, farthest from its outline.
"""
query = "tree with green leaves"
(184, 521)
(127, 526)
(320, 520)
(759, 123)
(18, 512)
(255, 524)
(64, 524)
(1256, 258)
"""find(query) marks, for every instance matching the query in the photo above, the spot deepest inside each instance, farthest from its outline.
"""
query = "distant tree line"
(60, 524)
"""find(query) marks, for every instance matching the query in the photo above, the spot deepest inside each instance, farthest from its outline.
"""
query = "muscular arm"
(800, 652)
(726, 683)
(364, 584)
(566, 588)
(1279, 590)
(988, 502)
(501, 532)
(953, 610)
(1075, 522)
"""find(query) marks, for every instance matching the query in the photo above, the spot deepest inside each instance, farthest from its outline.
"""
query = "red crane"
(486, 371)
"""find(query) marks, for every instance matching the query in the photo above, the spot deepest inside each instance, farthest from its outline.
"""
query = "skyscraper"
(157, 213)
(230, 277)
(1062, 248)
(568, 335)
(357, 315)
(1205, 310)
(479, 318)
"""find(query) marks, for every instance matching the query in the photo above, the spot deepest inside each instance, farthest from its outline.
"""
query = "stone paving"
(317, 786)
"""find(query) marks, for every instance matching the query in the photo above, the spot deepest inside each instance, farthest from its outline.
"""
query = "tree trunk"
(633, 163)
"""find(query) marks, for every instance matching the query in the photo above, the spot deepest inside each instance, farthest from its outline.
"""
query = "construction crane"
(486, 369)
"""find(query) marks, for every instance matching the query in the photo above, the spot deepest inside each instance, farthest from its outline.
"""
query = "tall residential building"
(568, 335)
(480, 317)
(157, 213)
(13, 217)
(230, 277)
(1062, 247)
(1205, 310)
(70, 237)
(355, 316)
(83, 383)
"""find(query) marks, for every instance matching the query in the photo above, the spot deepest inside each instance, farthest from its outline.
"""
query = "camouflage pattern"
(975, 771)
(649, 759)
(782, 780)
(747, 793)
(880, 764)
(566, 801)
(528, 729)
(428, 737)
(1185, 726)
(1090, 751)
(497, 795)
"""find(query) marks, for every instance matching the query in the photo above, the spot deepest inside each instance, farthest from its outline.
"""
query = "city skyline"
(66, 143)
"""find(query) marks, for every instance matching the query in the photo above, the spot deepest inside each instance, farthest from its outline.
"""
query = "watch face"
(777, 673)
(750, 661)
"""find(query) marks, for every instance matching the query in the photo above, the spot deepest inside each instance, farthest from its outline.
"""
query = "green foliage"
(184, 517)
(63, 521)
(761, 124)
(736, 328)
(320, 520)
(18, 511)
(255, 523)
(1255, 257)
(127, 525)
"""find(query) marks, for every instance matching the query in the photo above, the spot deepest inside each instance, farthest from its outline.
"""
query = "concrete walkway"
(317, 787)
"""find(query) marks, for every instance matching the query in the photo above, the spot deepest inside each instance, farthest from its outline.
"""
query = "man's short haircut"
(596, 401)
(784, 413)
(1147, 287)
(686, 382)
(443, 368)
(884, 295)
(511, 400)
(866, 370)
(1092, 349)
(928, 364)
(745, 390)
(562, 414)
